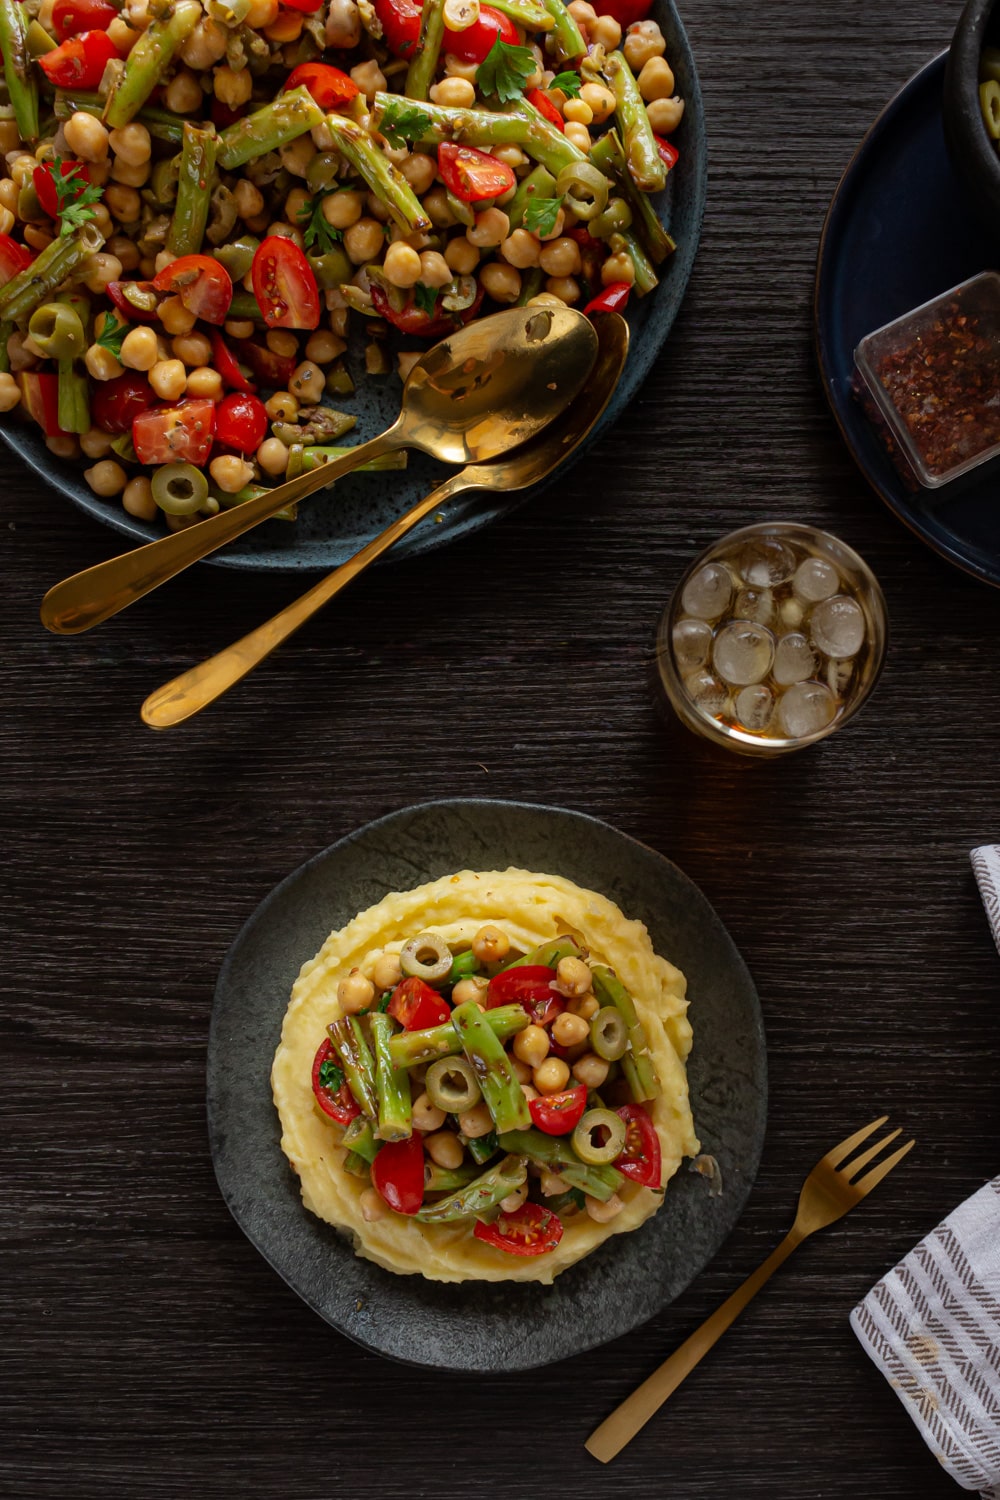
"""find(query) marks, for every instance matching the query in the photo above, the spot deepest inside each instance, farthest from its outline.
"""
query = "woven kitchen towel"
(932, 1326)
(986, 864)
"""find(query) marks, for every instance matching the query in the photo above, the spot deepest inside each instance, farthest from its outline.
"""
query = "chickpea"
(376, 208)
(85, 137)
(282, 407)
(101, 269)
(95, 443)
(565, 288)
(135, 177)
(475, 1122)
(137, 498)
(232, 89)
(123, 202)
(283, 342)
(237, 328)
(514, 1200)
(585, 1006)
(461, 257)
(308, 383)
(354, 992)
(296, 155)
(529, 1092)
(139, 351)
(569, 1030)
(551, 1076)
(438, 209)
(520, 1069)
(511, 156)
(491, 228)
(656, 79)
(555, 232)
(419, 171)
(578, 111)
(342, 209)
(402, 264)
(551, 1183)
(584, 15)
(472, 988)
(387, 971)
(445, 1149)
(454, 67)
(10, 393)
(369, 78)
(183, 93)
(458, 93)
(122, 35)
(343, 25)
(248, 199)
(9, 192)
(131, 143)
(532, 1046)
(591, 1070)
(323, 347)
(231, 474)
(579, 135)
(193, 348)
(501, 281)
(363, 240)
(602, 1213)
(606, 32)
(297, 208)
(372, 1205)
(168, 377)
(434, 269)
(272, 455)
(643, 40)
(175, 317)
(600, 100)
(102, 218)
(7, 220)
(36, 236)
(123, 248)
(426, 1115)
(261, 13)
(520, 249)
(206, 45)
(106, 478)
(63, 445)
(490, 945)
(21, 359)
(562, 258)
(206, 384)
(665, 114)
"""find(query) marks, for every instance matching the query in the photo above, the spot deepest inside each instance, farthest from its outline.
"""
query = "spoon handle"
(195, 689)
(90, 597)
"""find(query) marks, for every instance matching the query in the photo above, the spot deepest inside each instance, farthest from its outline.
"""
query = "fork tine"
(874, 1177)
(840, 1153)
(852, 1170)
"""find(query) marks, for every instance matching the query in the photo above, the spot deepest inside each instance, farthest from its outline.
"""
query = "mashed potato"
(531, 909)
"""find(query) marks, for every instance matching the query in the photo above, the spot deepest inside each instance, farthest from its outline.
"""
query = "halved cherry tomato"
(540, 99)
(400, 21)
(136, 300)
(625, 12)
(640, 1157)
(338, 1103)
(225, 363)
(417, 1006)
(532, 1230)
(13, 258)
(473, 175)
(115, 404)
(40, 399)
(474, 43)
(70, 17)
(79, 62)
(558, 1114)
(241, 422)
(284, 284)
(398, 1174)
(272, 370)
(413, 320)
(203, 285)
(175, 434)
(223, 115)
(614, 298)
(42, 180)
(668, 154)
(528, 985)
(329, 86)
(307, 7)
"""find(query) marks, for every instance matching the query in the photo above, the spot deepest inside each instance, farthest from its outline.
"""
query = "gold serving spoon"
(479, 392)
(194, 690)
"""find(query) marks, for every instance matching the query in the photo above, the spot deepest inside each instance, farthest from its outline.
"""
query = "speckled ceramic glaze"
(482, 1326)
(332, 527)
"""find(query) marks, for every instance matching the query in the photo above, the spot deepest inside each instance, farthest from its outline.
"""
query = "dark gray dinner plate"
(333, 526)
(484, 1326)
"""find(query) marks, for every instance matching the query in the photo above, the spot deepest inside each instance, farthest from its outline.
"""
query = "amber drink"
(774, 637)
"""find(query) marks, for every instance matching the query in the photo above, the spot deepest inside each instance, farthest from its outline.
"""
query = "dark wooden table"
(148, 1351)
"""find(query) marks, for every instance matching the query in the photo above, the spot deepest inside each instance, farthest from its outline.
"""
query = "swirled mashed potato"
(531, 909)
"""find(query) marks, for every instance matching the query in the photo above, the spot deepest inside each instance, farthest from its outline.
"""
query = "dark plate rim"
(737, 1195)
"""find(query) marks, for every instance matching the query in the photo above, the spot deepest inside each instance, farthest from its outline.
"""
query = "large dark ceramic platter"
(899, 231)
(332, 526)
(484, 1326)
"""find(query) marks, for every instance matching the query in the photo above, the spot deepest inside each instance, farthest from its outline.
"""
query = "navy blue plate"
(899, 231)
(331, 528)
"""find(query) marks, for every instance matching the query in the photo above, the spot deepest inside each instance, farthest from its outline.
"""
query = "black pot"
(974, 155)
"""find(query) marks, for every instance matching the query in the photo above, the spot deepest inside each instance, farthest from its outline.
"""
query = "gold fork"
(832, 1188)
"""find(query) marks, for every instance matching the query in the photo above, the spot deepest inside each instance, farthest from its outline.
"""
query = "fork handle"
(635, 1411)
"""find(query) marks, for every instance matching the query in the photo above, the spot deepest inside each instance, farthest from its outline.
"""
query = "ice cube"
(806, 708)
(707, 592)
(766, 562)
(815, 580)
(743, 652)
(692, 641)
(793, 659)
(837, 626)
(754, 604)
(792, 614)
(754, 706)
(706, 692)
(838, 675)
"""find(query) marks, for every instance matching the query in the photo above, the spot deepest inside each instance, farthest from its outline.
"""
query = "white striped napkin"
(932, 1325)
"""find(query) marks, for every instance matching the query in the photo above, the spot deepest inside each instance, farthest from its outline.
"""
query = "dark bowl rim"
(965, 128)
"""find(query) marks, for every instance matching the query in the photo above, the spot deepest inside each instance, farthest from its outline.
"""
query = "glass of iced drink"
(774, 637)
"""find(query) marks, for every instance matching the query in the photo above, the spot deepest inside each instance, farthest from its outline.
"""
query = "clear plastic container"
(930, 381)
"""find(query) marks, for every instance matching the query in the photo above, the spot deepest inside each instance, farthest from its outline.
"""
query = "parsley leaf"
(568, 82)
(541, 214)
(577, 1197)
(505, 71)
(426, 298)
(74, 195)
(403, 124)
(330, 1076)
(383, 1004)
(317, 232)
(112, 335)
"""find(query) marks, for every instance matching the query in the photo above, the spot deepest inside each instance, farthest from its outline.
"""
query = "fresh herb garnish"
(426, 298)
(112, 335)
(405, 125)
(317, 232)
(541, 214)
(75, 197)
(578, 1197)
(505, 71)
(383, 1004)
(330, 1076)
(568, 82)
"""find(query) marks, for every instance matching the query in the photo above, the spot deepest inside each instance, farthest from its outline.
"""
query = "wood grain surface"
(148, 1352)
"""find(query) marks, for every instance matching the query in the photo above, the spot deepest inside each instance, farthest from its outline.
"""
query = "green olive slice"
(451, 1085)
(609, 1130)
(609, 1034)
(426, 957)
(179, 489)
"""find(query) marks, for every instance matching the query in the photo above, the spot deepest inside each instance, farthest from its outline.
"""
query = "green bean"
(479, 1196)
(60, 259)
(38, 40)
(359, 1137)
(517, 124)
(179, 489)
(149, 60)
(532, 282)
(501, 1090)
(73, 398)
(22, 85)
(568, 36)
(645, 164)
(392, 1085)
(481, 1147)
(160, 123)
(194, 190)
(645, 276)
(420, 74)
(314, 456)
(384, 180)
(556, 1153)
(525, 13)
(357, 1166)
(57, 330)
(446, 1179)
(411, 1048)
(6, 329)
(608, 153)
(277, 124)
(462, 965)
(548, 954)
(637, 1065)
(357, 1062)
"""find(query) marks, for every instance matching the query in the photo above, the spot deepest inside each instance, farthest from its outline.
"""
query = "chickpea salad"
(199, 193)
(473, 1085)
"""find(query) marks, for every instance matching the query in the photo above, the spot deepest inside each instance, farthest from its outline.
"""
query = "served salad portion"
(198, 193)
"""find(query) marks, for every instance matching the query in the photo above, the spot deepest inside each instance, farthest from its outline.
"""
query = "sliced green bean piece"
(479, 1196)
(275, 125)
(357, 1062)
(53, 266)
(359, 1137)
(194, 190)
(548, 954)
(392, 1085)
(22, 86)
(637, 1065)
(501, 1090)
(411, 1048)
(357, 1166)
(447, 1179)
(556, 1153)
(148, 61)
(481, 1147)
